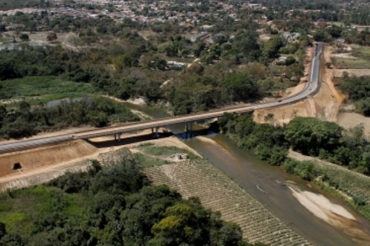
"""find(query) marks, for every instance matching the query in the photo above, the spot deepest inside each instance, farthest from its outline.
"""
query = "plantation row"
(218, 192)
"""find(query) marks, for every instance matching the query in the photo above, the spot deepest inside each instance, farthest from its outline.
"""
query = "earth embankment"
(25, 161)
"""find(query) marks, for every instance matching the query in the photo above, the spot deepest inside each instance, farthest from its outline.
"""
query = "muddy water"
(267, 184)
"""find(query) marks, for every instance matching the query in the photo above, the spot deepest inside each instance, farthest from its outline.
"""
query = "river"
(266, 184)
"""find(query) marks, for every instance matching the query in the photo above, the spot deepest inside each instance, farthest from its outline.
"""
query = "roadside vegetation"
(358, 89)
(110, 205)
(349, 63)
(25, 121)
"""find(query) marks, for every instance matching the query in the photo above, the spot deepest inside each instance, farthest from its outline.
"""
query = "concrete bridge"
(116, 131)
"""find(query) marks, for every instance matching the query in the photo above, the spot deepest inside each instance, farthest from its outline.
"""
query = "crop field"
(363, 52)
(43, 89)
(348, 63)
(218, 192)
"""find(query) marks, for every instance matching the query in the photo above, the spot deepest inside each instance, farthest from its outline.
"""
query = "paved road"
(310, 88)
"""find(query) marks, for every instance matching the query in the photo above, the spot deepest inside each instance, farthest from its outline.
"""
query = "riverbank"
(350, 186)
(333, 214)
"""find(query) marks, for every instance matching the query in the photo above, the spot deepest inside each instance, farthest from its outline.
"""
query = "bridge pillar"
(117, 137)
(188, 129)
(156, 132)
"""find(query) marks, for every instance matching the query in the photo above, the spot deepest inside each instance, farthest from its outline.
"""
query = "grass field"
(363, 52)
(20, 207)
(218, 192)
(347, 63)
(43, 89)
(148, 161)
(164, 151)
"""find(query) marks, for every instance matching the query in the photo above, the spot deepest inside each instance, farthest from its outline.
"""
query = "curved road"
(310, 89)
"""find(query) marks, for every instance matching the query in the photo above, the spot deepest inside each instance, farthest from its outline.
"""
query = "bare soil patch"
(344, 55)
(264, 37)
(349, 120)
(352, 72)
(45, 156)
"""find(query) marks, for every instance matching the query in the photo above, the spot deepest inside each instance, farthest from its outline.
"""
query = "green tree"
(51, 37)
(24, 37)
(241, 87)
(309, 135)
(2, 27)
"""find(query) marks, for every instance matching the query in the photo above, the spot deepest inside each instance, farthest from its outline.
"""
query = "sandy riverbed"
(332, 213)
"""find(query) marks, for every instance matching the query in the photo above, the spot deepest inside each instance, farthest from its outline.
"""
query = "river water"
(266, 184)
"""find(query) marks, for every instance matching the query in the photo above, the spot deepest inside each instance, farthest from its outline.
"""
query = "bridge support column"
(188, 129)
(191, 129)
(156, 132)
(117, 137)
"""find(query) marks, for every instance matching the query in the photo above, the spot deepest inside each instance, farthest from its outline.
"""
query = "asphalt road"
(310, 89)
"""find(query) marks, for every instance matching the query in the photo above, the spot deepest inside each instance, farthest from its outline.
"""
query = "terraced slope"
(219, 193)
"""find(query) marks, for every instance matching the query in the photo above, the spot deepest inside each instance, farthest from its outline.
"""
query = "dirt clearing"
(349, 120)
(25, 161)
(352, 72)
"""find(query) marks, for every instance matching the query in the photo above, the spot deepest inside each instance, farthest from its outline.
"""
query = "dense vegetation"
(25, 121)
(358, 89)
(113, 205)
(42, 89)
(308, 136)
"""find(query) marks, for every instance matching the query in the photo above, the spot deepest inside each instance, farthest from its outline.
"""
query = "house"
(291, 36)
(281, 60)
(175, 64)
(199, 36)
